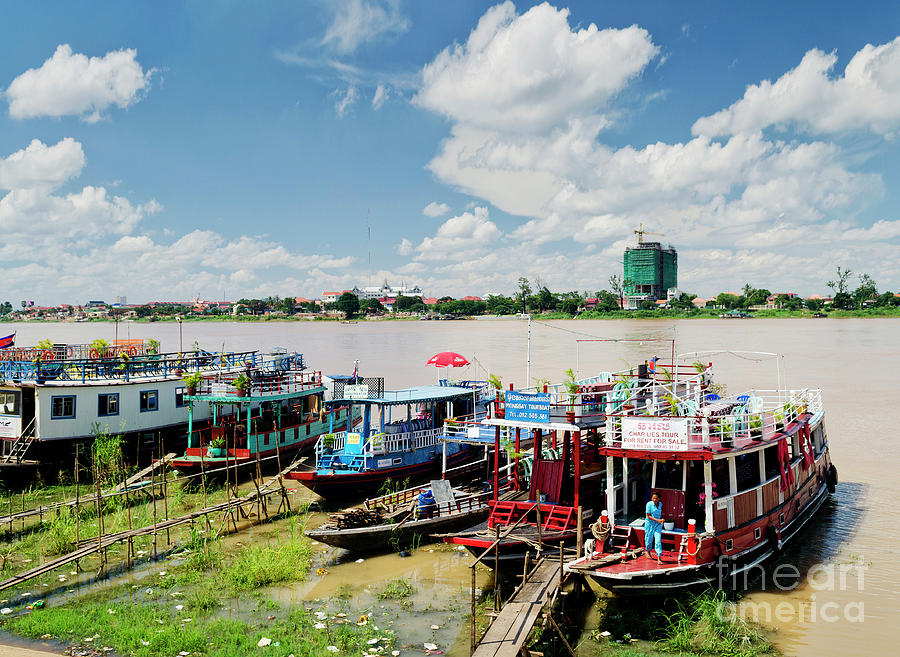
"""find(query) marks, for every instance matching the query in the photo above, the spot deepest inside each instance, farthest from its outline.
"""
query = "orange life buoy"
(93, 354)
(132, 350)
(47, 355)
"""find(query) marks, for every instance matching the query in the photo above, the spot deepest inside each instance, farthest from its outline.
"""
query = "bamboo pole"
(165, 493)
(99, 516)
(203, 481)
(77, 502)
(153, 494)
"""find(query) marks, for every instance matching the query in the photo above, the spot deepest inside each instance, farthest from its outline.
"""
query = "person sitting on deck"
(427, 505)
(653, 527)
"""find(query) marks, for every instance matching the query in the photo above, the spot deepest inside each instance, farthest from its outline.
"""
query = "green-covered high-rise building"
(650, 272)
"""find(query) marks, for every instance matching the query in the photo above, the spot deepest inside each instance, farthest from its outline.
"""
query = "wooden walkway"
(507, 634)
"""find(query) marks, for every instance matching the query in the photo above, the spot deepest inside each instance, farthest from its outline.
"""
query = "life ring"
(831, 478)
(93, 353)
(47, 354)
(132, 351)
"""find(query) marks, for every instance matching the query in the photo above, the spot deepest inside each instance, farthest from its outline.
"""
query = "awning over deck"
(417, 395)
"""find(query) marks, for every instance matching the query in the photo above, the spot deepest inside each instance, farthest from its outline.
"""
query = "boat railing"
(462, 431)
(261, 385)
(725, 422)
(382, 443)
(125, 367)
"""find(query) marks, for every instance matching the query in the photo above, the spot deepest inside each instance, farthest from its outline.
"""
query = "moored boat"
(269, 411)
(738, 476)
(395, 521)
(355, 464)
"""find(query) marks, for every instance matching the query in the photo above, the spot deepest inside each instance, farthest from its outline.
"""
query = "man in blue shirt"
(653, 523)
(426, 503)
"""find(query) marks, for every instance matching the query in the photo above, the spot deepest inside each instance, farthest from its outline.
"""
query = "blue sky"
(171, 150)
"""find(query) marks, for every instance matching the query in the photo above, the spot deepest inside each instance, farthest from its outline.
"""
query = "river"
(849, 597)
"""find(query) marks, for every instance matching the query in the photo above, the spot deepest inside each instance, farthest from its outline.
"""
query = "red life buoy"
(132, 351)
(93, 354)
(47, 355)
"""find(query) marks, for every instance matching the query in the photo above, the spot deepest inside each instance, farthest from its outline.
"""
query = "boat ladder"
(20, 447)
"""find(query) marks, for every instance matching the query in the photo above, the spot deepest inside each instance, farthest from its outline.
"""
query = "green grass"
(397, 589)
(259, 565)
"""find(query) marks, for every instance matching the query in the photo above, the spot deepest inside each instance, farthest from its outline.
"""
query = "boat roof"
(413, 395)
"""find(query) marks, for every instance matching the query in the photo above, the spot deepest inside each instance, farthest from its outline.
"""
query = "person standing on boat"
(653, 524)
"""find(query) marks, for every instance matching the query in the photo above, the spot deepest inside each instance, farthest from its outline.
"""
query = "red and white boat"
(738, 477)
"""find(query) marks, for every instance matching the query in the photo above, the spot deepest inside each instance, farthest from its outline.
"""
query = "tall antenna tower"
(369, 238)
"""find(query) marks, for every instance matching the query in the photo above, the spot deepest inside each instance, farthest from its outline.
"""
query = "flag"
(8, 341)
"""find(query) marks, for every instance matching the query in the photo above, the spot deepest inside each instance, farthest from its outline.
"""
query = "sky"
(172, 150)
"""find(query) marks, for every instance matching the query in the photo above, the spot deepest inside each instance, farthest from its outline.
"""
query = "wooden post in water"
(473, 640)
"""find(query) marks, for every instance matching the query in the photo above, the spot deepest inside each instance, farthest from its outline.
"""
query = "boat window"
(617, 471)
(9, 402)
(669, 474)
(818, 439)
(108, 404)
(720, 477)
(62, 407)
(179, 397)
(149, 400)
(773, 469)
(747, 466)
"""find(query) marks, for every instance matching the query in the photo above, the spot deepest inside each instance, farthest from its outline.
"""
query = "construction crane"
(640, 232)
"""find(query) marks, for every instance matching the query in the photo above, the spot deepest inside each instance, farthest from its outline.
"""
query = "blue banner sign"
(528, 406)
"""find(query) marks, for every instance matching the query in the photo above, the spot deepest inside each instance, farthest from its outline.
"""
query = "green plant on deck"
(540, 383)
(192, 380)
(45, 344)
(152, 346)
(101, 346)
(572, 387)
(756, 424)
(241, 382)
(218, 442)
(672, 404)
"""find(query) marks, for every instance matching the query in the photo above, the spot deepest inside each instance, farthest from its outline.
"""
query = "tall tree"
(347, 303)
(524, 292)
(839, 284)
(618, 286)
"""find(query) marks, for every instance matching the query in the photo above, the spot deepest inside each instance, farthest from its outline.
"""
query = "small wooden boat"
(393, 521)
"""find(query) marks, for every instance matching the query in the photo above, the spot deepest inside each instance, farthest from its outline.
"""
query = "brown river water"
(848, 597)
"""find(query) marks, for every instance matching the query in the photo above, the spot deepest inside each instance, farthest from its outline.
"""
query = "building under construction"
(650, 272)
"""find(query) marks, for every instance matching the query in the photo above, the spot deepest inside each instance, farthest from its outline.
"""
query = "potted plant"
(241, 384)
(216, 448)
(572, 388)
(99, 348)
(756, 426)
(328, 443)
(191, 381)
(152, 346)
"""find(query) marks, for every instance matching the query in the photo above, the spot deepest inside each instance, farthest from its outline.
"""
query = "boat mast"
(528, 356)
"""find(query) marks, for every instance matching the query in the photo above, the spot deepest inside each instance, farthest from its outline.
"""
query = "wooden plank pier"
(508, 632)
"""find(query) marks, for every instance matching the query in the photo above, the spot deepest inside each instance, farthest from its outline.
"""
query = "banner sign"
(528, 406)
(663, 434)
(358, 391)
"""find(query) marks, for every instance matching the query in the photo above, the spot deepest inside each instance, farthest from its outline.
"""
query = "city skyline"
(168, 151)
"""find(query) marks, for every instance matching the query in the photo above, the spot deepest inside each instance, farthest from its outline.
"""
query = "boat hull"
(356, 485)
(386, 537)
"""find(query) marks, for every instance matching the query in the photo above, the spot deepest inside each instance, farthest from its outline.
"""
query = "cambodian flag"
(8, 341)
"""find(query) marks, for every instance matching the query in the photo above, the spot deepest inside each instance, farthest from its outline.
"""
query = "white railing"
(381, 443)
(758, 414)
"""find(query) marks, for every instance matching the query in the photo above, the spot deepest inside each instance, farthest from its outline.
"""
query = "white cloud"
(73, 84)
(867, 96)
(42, 166)
(404, 248)
(435, 209)
(356, 22)
(345, 102)
(66, 246)
(518, 143)
(459, 237)
(380, 97)
(532, 72)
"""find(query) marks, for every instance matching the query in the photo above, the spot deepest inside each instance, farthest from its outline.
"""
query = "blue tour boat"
(355, 464)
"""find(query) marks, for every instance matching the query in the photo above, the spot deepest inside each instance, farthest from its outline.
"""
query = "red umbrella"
(447, 359)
